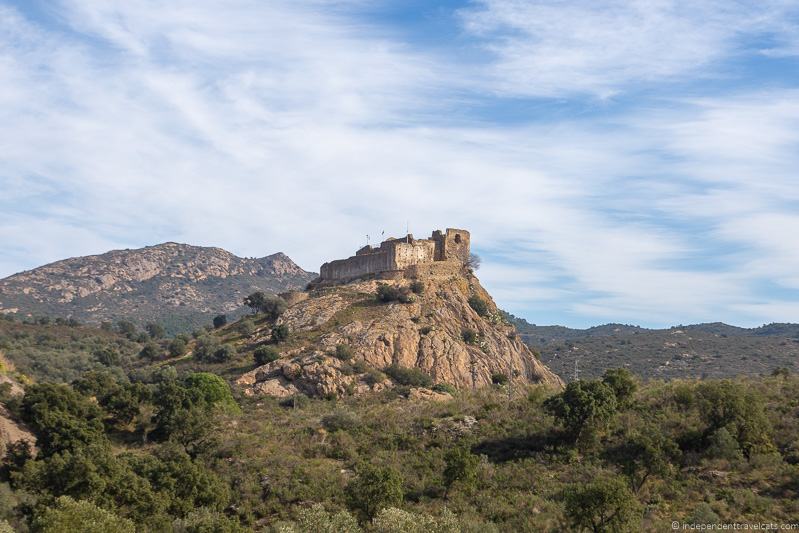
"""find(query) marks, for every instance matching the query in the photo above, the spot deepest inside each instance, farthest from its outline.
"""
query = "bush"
(271, 306)
(343, 352)
(205, 347)
(584, 408)
(155, 331)
(150, 351)
(602, 505)
(374, 489)
(296, 401)
(498, 378)
(224, 353)
(461, 467)
(417, 287)
(83, 516)
(211, 390)
(623, 384)
(412, 377)
(446, 388)
(469, 336)
(265, 354)
(390, 293)
(245, 327)
(341, 421)
(280, 333)
(107, 356)
(479, 305)
(220, 321)
(177, 347)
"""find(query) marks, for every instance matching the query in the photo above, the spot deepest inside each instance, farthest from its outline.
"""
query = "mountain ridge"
(178, 284)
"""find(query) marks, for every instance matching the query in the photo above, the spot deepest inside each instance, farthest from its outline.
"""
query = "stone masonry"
(398, 255)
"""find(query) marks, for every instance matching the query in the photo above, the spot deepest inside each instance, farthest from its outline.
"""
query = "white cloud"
(290, 127)
(602, 47)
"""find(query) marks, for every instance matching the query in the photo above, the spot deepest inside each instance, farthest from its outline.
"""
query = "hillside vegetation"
(176, 452)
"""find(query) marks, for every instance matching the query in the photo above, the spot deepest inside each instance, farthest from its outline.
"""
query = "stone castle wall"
(400, 255)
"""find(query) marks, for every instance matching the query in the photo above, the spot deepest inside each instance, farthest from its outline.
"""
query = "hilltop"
(411, 312)
(177, 285)
(711, 350)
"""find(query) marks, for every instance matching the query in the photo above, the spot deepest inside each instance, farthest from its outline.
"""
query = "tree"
(219, 321)
(62, 418)
(205, 347)
(177, 347)
(224, 353)
(211, 390)
(473, 262)
(107, 356)
(155, 331)
(127, 328)
(584, 408)
(265, 354)
(741, 412)
(83, 516)
(646, 453)
(150, 351)
(623, 383)
(280, 333)
(373, 489)
(604, 505)
(461, 467)
(271, 306)
(255, 301)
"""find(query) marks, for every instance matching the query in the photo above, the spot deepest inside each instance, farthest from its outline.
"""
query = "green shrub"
(417, 287)
(469, 336)
(446, 388)
(373, 489)
(341, 421)
(151, 351)
(412, 377)
(224, 353)
(343, 352)
(280, 333)
(390, 293)
(584, 407)
(265, 354)
(479, 305)
(177, 347)
(498, 378)
(83, 516)
(245, 327)
(296, 401)
(461, 467)
(602, 505)
(220, 321)
(623, 384)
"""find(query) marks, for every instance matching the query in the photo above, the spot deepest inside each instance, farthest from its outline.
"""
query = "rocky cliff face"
(176, 284)
(439, 332)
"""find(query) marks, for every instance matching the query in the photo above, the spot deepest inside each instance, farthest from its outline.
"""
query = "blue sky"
(627, 161)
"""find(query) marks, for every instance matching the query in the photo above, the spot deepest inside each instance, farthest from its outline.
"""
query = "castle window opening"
(458, 238)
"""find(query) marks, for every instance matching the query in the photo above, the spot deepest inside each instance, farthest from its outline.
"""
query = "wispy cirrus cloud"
(602, 48)
(303, 126)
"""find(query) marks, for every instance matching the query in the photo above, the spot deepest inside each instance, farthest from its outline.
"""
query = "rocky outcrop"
(438, 332)
(175, 283)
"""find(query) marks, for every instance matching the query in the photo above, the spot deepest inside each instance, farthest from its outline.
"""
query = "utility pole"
(576, 374)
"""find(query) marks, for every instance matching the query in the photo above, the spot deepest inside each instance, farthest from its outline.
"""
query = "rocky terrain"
(343, 336)
(713, 350)
(177, 285)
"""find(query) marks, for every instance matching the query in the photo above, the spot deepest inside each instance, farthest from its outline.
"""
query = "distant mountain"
(712, 350)
(177, 285)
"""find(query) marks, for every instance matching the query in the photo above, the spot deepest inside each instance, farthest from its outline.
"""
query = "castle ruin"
(396, 257)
